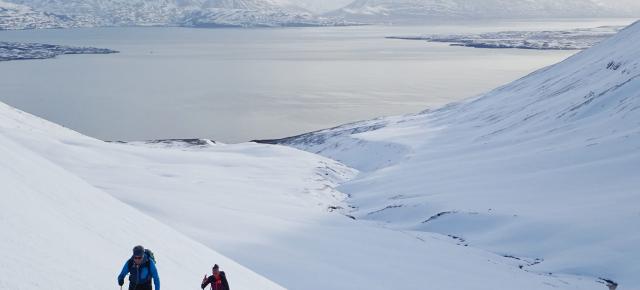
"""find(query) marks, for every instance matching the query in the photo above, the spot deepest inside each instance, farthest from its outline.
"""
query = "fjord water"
(234, 85)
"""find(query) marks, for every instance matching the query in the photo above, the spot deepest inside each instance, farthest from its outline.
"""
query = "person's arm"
(154, 274)
(123, 273)
(224, 281)
(206, 281)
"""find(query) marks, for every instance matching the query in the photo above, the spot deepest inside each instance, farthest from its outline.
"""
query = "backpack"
(150, 255)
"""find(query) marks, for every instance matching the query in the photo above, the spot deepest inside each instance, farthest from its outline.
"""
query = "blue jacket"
(142, 274)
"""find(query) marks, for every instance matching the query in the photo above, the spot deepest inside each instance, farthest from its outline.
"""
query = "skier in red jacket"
(218, 280)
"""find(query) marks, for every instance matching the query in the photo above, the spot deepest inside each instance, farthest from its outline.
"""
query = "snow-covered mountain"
(434, 10)
(545, 170)
(320, 6)
(271, 208)
(252, 13)
(246, 4)
(178, 12)
(248, 13)
(114, 12)
(14, 16)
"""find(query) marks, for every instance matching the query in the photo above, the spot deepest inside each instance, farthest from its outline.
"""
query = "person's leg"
(146, 286)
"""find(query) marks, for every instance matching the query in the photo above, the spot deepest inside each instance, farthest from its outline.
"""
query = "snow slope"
(273, 209)
(429, 10)
(59, 232)
(544, 169)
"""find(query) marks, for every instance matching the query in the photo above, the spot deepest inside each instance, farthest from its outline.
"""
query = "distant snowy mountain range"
(20, 14)
(437, 10)
(24, 14)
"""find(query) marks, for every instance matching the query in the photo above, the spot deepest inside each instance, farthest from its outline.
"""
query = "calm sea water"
(235, 85)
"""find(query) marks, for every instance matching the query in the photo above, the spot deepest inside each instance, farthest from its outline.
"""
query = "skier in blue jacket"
(141, 269)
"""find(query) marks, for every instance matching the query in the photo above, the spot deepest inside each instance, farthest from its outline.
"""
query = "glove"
(204, 280)
(120, 282)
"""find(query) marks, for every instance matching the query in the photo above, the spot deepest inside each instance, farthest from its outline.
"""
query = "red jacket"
(216, 284)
